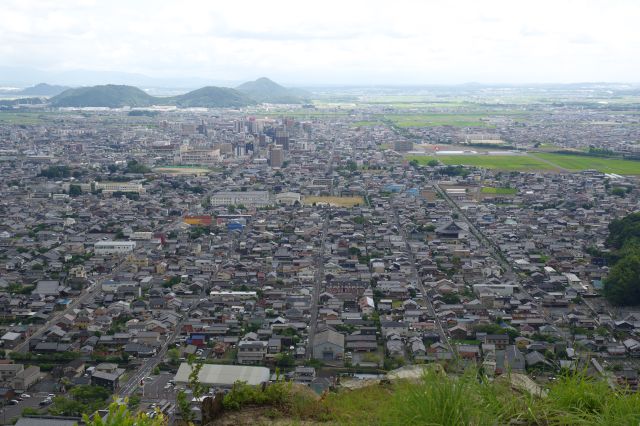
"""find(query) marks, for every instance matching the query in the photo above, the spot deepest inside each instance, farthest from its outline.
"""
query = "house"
(499, 340)
(26, 378)
(328, 345)
(109, 381)
(252, 352)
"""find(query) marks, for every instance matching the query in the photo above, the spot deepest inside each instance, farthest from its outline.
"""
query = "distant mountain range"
(114, 96)
(43, 89)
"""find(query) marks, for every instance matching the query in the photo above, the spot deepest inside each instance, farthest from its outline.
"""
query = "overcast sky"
(330, 42)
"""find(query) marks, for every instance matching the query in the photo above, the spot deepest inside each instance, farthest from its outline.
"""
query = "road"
(493, 249)
(319, 273)
(417, 282)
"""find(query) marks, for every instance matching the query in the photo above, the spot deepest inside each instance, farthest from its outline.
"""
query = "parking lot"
(157, 388)
(9, 412)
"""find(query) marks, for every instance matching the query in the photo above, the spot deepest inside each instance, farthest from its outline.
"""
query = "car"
(13, 402)
(51, 395)
(25, 395)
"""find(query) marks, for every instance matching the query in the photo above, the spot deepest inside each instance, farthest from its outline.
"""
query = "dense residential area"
(321, 245)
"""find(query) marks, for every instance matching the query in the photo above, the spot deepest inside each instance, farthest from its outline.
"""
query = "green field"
(500, 162)
(431, 120)
(20, 118)
(605, 165)
(365, 123)
(499, 191)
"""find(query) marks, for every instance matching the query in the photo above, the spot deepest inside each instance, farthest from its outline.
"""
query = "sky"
(330, 42)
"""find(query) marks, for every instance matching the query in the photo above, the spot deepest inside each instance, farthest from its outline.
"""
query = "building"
(113, 247)
(276, 157)
(26, 378)
(328, 345)
(282, 138)
(223, 376)
(190, 155)
(251, 352)
(8, 372)
(248, 198)
(111, 187)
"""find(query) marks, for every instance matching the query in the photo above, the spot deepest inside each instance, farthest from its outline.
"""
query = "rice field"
(335, 201)
(498, 162)
(604, 165)
(498, 191)
(177, 170)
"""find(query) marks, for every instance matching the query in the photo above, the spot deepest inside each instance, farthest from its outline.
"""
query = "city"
(335, 213)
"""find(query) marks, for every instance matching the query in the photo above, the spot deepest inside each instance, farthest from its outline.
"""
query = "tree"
(622, 286)
(119, 415)
(432, 163)
(75, 190)
(174, 355)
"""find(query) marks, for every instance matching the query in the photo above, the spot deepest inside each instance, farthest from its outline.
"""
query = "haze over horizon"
(334, 43)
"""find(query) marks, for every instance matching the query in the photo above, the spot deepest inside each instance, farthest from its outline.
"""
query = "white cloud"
(331, 41)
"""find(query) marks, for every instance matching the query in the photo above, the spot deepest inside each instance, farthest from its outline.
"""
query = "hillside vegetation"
(622, 286)
(265, 90)
(116, 96)
(439, 399)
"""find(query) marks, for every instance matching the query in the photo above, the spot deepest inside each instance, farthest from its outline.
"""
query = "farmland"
(580, 162)
(177, 170)
(335, 201)
(498, 191)
(430, 120)
(499, 162)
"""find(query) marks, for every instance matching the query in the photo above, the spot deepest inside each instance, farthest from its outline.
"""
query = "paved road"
(417, 282)
(319, 274)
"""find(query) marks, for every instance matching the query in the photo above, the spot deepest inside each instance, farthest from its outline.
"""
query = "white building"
(113, 247)
(248, 198)
(120, 187)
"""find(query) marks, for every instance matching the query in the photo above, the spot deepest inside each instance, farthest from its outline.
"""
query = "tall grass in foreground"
(440, 399)
(470, 399)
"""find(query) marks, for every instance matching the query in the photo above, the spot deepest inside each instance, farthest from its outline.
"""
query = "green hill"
(115, 96)
(43, 89)
(110, 95)
(210, 97)
(265, 90)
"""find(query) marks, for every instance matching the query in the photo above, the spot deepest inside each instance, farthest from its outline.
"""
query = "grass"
(604, 165)
(430, 120)
(499, 191)
(365, 123)
(21, 118)
(182, 170)
(468, 399)
(335, 201)
(500, 162)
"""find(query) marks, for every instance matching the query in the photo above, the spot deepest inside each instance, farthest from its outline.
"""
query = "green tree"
(75, 190)
(119, 415)
(174, 355)
(622, 286)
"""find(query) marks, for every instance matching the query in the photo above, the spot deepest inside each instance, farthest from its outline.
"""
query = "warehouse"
(224, 376)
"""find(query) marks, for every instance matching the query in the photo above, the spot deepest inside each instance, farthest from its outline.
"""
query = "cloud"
(329, 42)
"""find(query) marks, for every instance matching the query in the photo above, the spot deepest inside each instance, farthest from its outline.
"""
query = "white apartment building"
(114, 247)
(248, 198)
(120, 187)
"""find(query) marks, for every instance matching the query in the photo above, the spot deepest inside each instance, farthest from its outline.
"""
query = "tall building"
(276, 157)
(282, 138)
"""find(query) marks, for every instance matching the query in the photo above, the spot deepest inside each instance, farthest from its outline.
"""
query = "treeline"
(622, 286)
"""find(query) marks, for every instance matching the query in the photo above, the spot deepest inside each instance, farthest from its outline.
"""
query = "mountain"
(110, 95)
(210, 97)
(265, 90)
(43, 89)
